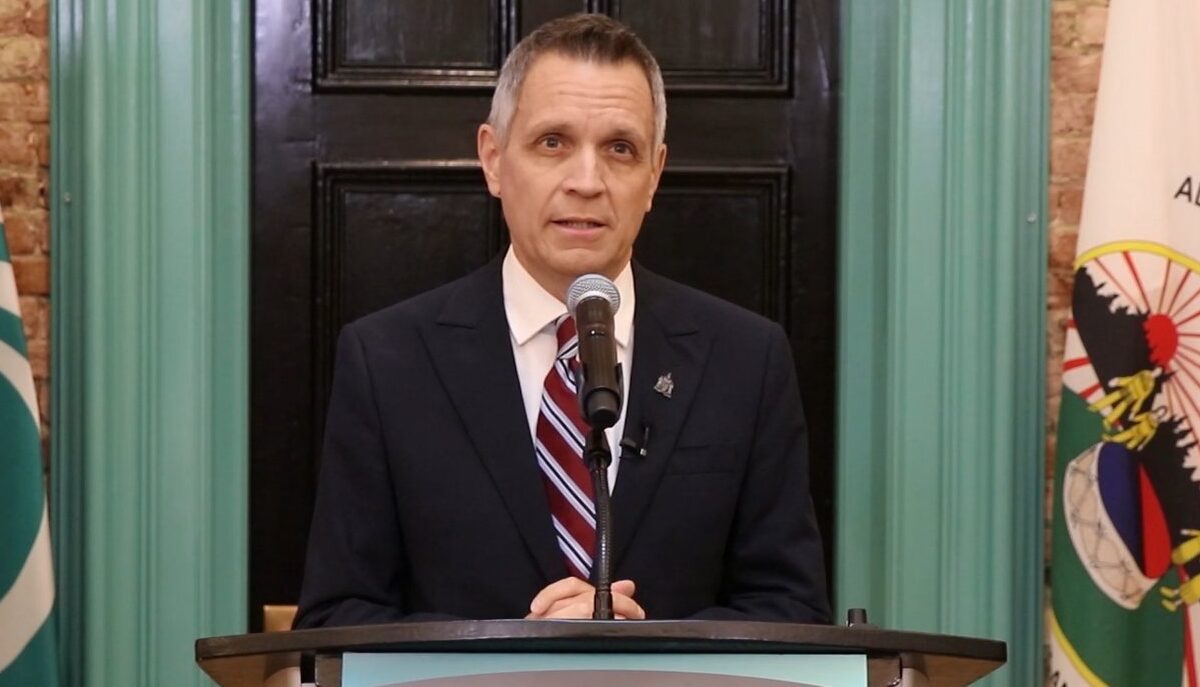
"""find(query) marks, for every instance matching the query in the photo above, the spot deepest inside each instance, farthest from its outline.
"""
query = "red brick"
(21, 191)
(32, 274)
(34, 318)
(18, 145)
(38, 21)
(1091, 24)
(24, 101)
(12, 93)
(1062, 24)
(24, 57)
(1076, 73)
(32, 222)
(41, 141)
(1068, 158)
(1062, 247)
(1070, 203)
(44, 322)
(1059, 284)
(13, 14)
(1059, 122)
(1071, 113)
(42, 387)
(39, 358)
(1053, 200)
(22, 235)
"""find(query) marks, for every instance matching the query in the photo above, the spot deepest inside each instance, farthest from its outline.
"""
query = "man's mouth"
(578, 223)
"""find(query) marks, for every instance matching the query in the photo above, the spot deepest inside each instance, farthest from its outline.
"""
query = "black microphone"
(632, 447)
(593, 300)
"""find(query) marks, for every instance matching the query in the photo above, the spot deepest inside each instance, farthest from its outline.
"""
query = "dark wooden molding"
(332, 72)
(772, 76)
(770, 186)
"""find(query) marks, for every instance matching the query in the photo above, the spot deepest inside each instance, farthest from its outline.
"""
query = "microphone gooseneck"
(593, 300)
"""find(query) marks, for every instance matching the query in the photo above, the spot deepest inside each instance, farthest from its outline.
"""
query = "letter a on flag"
(27, 642)
(1125, 576)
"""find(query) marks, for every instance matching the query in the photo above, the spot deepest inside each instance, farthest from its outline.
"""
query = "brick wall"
(1076, 40)
(24, 170)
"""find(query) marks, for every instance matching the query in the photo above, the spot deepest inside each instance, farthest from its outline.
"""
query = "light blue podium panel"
(603, 670)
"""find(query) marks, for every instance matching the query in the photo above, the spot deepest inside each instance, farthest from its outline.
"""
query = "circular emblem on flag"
(1133, 354)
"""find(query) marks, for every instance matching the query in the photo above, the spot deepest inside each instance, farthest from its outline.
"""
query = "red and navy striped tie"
(559, 445)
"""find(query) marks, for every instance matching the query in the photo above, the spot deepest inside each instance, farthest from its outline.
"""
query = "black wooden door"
(366, 191)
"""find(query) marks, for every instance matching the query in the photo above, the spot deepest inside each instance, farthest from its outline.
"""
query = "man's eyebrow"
(549, 124)
(624, 131)
(628, 133)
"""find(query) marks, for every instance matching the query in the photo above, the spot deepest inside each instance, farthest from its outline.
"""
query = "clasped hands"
(572, 597)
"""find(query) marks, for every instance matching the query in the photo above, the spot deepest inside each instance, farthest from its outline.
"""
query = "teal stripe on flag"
(30, 655)
(21, 486)
(37, 664)
(11, 332)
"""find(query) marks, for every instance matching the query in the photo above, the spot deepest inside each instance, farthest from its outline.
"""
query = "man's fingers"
(565, 588)
(626, 606)
(582, 599)
(572, 597)
(582, 606)
(626, 587)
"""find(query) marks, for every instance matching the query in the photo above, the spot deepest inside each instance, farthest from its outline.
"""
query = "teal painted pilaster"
(150, 247)
(942, 279)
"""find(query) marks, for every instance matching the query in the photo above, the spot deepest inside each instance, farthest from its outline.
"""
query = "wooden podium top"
(241, 660)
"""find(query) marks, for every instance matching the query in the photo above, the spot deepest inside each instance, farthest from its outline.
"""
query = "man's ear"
(660, 160)
(487, 145)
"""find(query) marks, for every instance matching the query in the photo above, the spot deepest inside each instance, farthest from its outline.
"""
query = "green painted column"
(942, 274)
(150, 246)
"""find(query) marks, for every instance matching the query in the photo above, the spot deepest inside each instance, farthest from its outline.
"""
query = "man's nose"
(585, 176)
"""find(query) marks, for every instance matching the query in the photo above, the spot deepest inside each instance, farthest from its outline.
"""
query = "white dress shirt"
(532, 313)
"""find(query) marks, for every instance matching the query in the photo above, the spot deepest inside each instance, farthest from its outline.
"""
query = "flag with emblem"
(1125, 574)
(27, 642)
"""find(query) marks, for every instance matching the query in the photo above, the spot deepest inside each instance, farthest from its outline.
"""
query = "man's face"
(578, 168)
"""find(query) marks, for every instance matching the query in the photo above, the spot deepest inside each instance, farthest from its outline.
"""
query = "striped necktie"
(559, 445)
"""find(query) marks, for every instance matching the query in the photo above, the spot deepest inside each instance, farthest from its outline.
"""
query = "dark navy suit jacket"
(430, 503)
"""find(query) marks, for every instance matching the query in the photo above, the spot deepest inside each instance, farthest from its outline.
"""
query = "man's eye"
(622, 148)
(551, 142)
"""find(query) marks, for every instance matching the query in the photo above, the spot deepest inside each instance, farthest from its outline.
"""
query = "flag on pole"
(27, 643)
(1125, 574)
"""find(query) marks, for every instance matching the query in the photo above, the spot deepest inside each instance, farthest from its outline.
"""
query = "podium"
(602, 652)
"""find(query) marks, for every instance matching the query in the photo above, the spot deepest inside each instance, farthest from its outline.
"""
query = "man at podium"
(452, 481)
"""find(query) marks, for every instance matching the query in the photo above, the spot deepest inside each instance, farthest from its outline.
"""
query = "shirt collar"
(530, 308)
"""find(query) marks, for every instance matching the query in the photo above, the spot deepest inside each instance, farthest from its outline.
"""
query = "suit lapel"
(472, 352)
(666, 341)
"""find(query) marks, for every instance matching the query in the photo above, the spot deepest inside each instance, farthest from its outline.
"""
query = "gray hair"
(589, 37)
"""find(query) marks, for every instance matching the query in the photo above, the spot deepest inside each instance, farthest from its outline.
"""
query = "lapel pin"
(665, 385)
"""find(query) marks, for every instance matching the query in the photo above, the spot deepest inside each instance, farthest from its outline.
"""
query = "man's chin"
(588, 263)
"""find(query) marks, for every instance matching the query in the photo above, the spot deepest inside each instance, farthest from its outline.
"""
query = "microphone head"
(593, 286)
